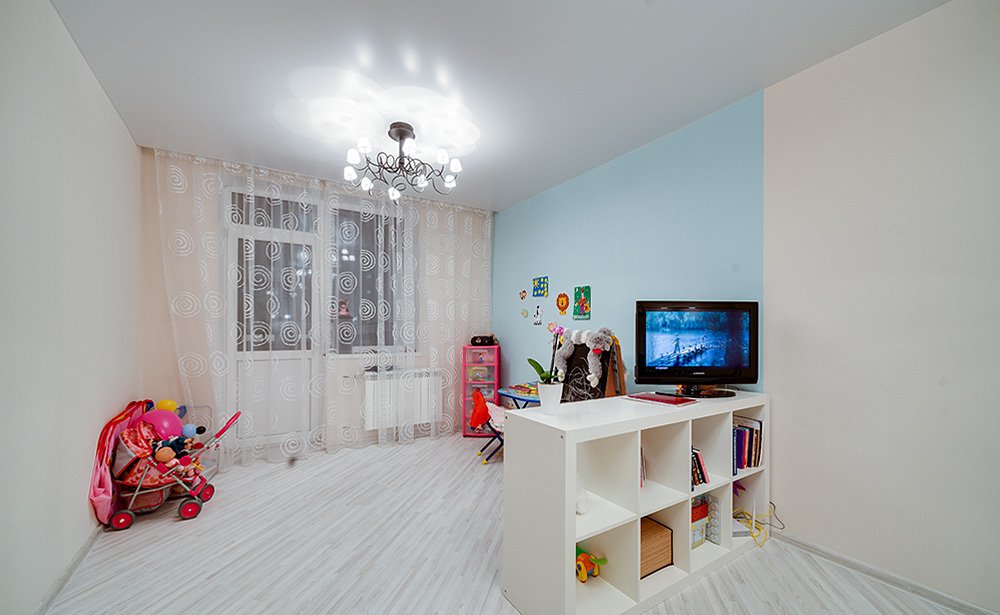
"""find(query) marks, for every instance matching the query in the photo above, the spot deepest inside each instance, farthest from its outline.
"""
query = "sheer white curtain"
(328, 317)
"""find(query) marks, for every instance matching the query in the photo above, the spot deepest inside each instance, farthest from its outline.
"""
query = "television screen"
(696, 342)
(695, 338)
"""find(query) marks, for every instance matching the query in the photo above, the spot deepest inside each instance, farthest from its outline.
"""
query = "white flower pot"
(549, 397)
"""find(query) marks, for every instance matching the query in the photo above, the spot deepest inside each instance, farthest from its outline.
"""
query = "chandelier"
(397, 173)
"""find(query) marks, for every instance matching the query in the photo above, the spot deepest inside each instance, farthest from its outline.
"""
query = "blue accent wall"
(679, 218)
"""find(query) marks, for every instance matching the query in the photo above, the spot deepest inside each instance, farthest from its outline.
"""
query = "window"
(274, 213)
(364, 281)
(273, 295)
(362, 270)
(274, 275)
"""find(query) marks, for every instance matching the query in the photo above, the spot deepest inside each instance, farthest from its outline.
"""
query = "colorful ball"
(167, 424)
(190, 430)
(166, 404)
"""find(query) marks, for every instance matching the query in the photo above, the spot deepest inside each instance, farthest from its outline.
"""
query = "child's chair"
(489, 416)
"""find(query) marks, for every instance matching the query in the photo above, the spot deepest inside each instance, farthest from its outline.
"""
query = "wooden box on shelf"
(655, 546)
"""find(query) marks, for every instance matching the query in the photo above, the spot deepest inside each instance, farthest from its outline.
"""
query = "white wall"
(882, 300)
(161, 378)
(69, 293)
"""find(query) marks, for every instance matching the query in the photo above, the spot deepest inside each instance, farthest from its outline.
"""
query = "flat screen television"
(696, 344)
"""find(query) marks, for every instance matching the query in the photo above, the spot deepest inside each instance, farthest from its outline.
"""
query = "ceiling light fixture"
(397, 173)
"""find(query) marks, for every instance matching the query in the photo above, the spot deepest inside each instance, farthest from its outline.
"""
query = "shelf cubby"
(713, 436)
(678, 519)
(598, 597)
(706, 554)
(605, 470)
(757, 413)
(753, 497)
(660, 581)
(666, 456)
(601, 516)
(745, 472)
(618, 579)
(723, 514)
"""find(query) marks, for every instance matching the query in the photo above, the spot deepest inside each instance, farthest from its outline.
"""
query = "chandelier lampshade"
(397, 174)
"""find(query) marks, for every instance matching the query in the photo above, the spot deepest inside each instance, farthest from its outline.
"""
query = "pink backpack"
(102, 489)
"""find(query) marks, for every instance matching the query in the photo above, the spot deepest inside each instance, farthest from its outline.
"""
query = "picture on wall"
(581, 303)
(540, 286)
(562, 303)
(538, 316)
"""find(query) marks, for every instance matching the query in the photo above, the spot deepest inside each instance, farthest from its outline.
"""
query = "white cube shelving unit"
(599, 445)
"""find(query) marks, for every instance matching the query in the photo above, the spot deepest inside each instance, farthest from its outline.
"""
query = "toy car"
(588, 565)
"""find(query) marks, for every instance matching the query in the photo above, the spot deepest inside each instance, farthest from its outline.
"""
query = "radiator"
(403, 397)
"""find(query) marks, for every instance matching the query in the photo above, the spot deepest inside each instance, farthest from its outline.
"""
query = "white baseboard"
(935, 596)
(59, 583)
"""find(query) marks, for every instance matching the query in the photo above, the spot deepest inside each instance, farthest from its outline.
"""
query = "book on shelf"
(735, 448)
(699, 473)
(741, 447)
(662, 399)
(701, 466)
(748, 439)
(699, 530)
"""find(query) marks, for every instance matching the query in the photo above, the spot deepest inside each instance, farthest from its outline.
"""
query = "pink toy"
(142, 482)
(167, 424)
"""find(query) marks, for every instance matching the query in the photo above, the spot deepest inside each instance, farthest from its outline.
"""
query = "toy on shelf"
(588, 565)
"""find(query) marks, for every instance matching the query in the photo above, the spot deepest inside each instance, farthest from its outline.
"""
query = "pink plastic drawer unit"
(480, 370)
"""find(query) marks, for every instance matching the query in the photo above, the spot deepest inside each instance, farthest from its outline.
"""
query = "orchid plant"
(549, 377)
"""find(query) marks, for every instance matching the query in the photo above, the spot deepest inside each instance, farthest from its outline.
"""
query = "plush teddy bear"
(563, 353)
(597, 341)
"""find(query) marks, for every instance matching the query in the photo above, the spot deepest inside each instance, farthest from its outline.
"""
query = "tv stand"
(701, 391)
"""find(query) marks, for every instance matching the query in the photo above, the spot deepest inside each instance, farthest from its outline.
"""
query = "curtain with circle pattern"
(328, 317)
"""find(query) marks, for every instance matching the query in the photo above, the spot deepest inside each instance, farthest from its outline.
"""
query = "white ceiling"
(555, 87)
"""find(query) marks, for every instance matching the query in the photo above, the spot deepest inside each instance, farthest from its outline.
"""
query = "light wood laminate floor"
(410, 529)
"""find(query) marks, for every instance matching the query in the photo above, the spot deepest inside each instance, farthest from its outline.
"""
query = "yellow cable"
(758, 532)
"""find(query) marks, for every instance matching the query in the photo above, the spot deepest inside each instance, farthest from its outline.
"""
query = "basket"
(656, 547)
(147, 500)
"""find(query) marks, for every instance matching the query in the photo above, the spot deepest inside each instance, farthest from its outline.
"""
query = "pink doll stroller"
(139, 482)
